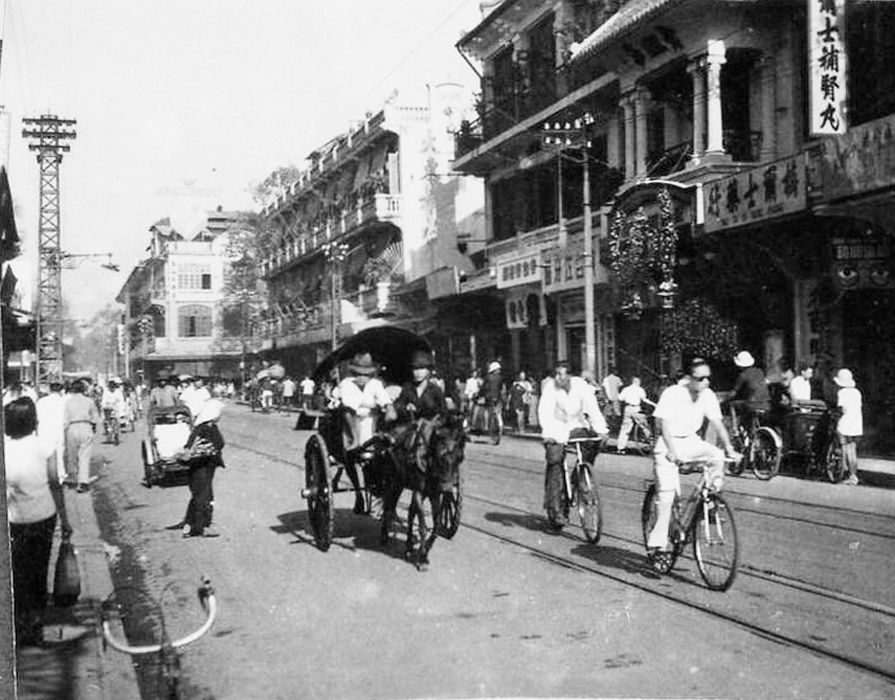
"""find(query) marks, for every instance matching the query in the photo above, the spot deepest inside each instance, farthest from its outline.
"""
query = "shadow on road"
(616, 558)
(528, 521)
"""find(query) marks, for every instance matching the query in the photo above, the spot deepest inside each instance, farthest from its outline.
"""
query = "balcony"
(743, 146)
(671, 160)
(380, 207)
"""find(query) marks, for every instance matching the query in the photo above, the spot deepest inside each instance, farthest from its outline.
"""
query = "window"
(194, 276)
(158, 322)
(194, 322)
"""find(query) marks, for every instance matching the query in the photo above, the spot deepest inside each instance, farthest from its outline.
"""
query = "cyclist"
(750, 394)
(114, 408)
(681, 412)
(632, 396)
(568, 409)
(492, 390)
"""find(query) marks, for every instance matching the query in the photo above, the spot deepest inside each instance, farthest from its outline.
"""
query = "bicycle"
(111, 426)
(168, 651)
(760, 445)
(705, 519)
(579, 490)
(642, 438)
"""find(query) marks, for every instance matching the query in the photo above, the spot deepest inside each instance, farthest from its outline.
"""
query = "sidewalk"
(73, 663)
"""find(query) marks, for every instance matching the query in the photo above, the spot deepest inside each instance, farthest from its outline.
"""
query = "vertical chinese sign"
(826, 66)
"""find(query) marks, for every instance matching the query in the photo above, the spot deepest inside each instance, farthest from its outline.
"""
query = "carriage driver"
(361, 394)
(420, 404)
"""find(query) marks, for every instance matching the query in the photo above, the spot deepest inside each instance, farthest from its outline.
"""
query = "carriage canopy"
(392, 350)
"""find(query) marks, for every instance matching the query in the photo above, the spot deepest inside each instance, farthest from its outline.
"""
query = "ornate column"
(641, 108)
(627, 103)
(715, 126)
(696, 69)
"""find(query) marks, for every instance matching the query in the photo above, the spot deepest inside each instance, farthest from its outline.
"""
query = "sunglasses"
(703, 378)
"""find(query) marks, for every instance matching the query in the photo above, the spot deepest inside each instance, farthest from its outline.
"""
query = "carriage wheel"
(832, 460)
(451, 508)
(320, 495)
(148, 475)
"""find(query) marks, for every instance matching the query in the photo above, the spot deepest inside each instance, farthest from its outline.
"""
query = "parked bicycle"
(580, 491)
(706, 520)
(760, 446)
(167, 650)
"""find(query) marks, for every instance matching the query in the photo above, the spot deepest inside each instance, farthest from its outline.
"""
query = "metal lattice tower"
(50, 131)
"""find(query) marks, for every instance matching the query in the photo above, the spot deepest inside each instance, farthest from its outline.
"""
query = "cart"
(168, 431)
(391, 349)
(809, 439)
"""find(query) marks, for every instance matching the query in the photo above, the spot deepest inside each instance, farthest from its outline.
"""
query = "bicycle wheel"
(648, 516)
(494, 426)
(833, 460)
(641, 443)
(765, 453)
(320, 496)
(590, 509)
(715, 545)
(451, 508)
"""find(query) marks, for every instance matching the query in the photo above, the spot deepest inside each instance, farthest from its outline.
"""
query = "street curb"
(103, 673)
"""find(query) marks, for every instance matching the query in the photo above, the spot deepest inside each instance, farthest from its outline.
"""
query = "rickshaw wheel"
(148, 475)
(833, 460)
(451, 509)
(320, 498)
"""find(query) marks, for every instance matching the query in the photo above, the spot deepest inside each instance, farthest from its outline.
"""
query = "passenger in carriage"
(363, 396)
(419, 406)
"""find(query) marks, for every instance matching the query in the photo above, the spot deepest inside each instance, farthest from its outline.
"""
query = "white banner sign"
(826, 66)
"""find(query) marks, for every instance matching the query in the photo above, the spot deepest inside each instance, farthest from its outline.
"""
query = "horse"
(429, 478)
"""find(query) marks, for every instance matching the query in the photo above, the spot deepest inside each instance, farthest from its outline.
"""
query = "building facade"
(174, 306)
(741, 191)
(368, 228)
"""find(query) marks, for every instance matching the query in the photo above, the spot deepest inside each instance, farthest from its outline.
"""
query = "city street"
(505, 609)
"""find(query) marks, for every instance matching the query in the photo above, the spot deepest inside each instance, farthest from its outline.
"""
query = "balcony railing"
(671, 160)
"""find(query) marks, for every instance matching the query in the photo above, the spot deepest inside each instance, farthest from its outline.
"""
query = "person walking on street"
(492, 390)
(632, 397)
(611, 385)
(203, 455)
(81, 419)
(288, 387)
(520, 398)
(307, 392)
(51, 424)
(568, 409)
(34, 500)
(850, 426)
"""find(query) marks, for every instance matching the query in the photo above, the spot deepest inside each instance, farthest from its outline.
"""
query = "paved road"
(505, 608)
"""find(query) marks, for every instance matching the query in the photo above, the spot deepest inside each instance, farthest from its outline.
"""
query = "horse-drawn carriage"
(387, 463)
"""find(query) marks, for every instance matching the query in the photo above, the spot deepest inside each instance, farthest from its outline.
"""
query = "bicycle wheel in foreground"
(590, 510)
(648, 517)
(765, 453)
(320, 495)
(715, 545)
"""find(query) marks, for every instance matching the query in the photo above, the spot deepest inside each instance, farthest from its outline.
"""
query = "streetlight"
(335, 255)
(574, 134)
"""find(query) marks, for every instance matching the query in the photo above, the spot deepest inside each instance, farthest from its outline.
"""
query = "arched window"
(194, 321)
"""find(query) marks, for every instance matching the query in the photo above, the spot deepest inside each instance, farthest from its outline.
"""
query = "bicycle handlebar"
(572, 441)
(206, 599)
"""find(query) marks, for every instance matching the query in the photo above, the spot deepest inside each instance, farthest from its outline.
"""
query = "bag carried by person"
(67, 579)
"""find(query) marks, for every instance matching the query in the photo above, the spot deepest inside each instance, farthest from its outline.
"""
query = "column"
(768, 69)
(641, 108)
(630, 151)
(715, 126)
(696, 69)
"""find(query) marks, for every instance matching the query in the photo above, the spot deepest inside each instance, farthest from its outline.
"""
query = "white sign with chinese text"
(517, 270)
(826, 66)
(771, 190)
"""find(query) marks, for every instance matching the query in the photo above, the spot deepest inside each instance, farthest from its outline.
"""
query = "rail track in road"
(749, 615)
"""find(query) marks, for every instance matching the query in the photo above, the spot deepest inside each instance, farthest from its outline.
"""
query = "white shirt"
(683, 415)
(27, 479)
(632, 395)
(362, 401)
(115, 401)
(560, 412)
(51, 417)
(851, 422)
(611, 385)
(307, 386)
(800, 389)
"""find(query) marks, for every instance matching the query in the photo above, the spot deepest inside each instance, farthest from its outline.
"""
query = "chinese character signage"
(826, 66)
(771, 190)
(520, 269)
(864, 262)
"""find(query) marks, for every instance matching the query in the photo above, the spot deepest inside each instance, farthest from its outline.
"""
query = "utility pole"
(50, 132)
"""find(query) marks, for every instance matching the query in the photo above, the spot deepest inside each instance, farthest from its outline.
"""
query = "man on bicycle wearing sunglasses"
(568, 409)
(681, 412)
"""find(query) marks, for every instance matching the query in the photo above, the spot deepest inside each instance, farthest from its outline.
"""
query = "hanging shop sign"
(860, 161)
(523, 308)
(518, 269)
(766, 192)
(826, 66)
(863, 262)
(564, 268)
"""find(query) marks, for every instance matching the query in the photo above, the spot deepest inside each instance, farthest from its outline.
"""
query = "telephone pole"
(50, 132)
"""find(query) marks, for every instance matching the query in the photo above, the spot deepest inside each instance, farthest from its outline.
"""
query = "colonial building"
(174, 305)
(740, 172)
(368, 231)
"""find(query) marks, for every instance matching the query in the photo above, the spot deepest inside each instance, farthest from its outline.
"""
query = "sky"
(182, 105)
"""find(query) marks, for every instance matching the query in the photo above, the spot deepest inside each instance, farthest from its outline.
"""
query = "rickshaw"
(325, 454)
(810, 442)
(168, 431)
